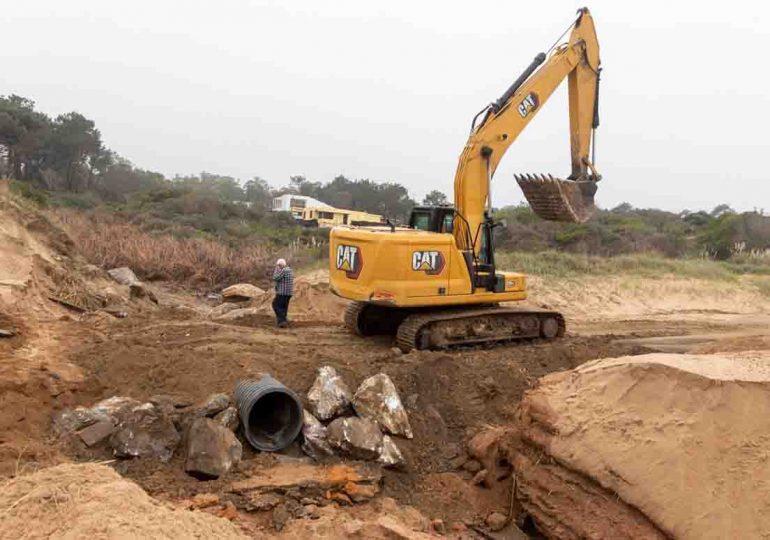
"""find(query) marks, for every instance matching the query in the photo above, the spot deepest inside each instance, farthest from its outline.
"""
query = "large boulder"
(123, 275)
(228, 418)
(241, 292)
(212, 449)
(145, 432)
(69, 421)
(315, 443)
(329, 396)
(390, 455)
(378, 400)
(358, 438)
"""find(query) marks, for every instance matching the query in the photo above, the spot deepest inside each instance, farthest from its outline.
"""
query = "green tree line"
(63, 159)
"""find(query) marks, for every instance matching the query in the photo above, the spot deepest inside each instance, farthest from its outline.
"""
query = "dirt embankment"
(62, 356)
(653, 446)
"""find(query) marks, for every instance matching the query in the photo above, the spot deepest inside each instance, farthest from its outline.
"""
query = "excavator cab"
(438, 219)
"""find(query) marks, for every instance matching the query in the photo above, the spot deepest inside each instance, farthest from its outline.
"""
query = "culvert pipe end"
(271, 414)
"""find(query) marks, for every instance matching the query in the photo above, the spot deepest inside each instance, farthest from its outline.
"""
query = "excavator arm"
(503, 121)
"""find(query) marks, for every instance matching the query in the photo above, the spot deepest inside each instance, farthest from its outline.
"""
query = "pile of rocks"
(156, 428)
(358, 425)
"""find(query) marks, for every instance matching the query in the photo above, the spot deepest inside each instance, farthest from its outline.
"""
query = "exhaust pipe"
(271, 414)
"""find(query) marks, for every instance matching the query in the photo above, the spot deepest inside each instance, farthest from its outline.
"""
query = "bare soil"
(63, 357)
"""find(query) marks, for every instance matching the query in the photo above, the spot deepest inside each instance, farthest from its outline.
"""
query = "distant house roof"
(284, 202)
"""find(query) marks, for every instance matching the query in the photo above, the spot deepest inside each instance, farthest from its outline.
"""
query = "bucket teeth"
(555, 199)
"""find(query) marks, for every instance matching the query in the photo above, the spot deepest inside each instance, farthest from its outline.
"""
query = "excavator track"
(352, 314)
(451, 328)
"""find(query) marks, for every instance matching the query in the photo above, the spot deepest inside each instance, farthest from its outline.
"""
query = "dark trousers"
(281, 307)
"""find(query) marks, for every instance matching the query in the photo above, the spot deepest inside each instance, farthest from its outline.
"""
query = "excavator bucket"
(555, 199)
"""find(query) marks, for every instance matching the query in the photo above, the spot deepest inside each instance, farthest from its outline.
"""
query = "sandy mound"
(93, 501)
(591, 298)
(648, 446)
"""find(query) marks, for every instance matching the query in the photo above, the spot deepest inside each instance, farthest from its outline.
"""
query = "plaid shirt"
(284, 281)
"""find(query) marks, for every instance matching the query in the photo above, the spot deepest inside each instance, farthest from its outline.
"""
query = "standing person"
(284, 288)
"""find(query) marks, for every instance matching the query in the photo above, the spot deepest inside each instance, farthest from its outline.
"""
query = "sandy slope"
(93, 501)
(682, 438)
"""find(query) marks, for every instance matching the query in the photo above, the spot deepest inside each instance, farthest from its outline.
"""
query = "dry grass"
(196, 262)
(561, 264)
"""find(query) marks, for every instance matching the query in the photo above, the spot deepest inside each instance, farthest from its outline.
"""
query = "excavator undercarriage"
(443, 329)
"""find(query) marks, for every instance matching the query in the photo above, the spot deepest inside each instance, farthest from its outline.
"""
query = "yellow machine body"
(435, 284)
(409, 268)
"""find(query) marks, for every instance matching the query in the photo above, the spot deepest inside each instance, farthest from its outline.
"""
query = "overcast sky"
(386, 90)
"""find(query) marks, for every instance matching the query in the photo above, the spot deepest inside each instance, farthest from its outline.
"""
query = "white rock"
(378, 400)
(123, 275)
(329, 396)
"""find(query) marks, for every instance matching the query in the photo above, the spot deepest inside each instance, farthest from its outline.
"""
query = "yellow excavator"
(435, 283)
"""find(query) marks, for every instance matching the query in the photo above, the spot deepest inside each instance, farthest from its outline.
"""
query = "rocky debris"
(261, 502)
(228, 418)
(480, 478)
(390, 455)
(69, 421)
(311, 511)
(329, 396)
(145, 431)
(472, 466)
(378, 400)
(123, 275)
(281, 517)
(486, 448)
(6, 333)
(169, 404)
(141, 290)
(242, 292)
(204, 500)
(224, 308)
(228, 511)
(496, 521)
(96, 433)
(119, 312)
(118, 406)
(358, 438)
(438, 527)
(236, 314)
(214, 404)
(314, 433)
(305, 480)
(212, 450)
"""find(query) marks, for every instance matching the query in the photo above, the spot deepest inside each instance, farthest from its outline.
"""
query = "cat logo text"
(528, 104)
(430, 262)
(350, 260)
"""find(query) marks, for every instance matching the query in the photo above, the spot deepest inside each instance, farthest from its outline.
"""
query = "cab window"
(446, 224)
(421, 221)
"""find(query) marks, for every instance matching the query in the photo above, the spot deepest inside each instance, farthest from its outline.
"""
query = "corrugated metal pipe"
(271, 414)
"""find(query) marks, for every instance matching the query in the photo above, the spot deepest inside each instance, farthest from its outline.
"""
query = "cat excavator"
(435, 284)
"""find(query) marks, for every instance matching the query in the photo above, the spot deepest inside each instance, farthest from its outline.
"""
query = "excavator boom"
(504, 120)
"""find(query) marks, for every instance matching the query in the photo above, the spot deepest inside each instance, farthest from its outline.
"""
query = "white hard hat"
(280, 262)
